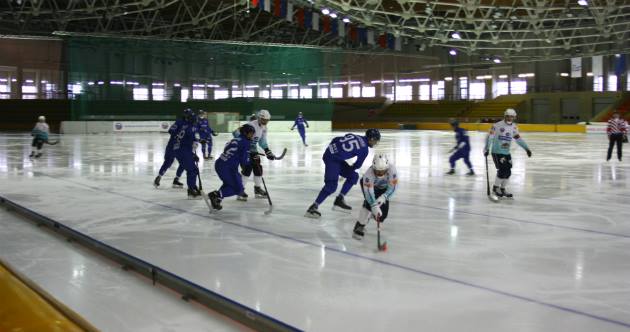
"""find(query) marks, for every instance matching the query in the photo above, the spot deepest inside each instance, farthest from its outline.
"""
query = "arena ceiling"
(515, 30)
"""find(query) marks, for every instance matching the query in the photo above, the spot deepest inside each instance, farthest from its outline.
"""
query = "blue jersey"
(300, 122)
(463, 141)
(236, 152)
(204, 129)
(183, 136)
(349, 146)
(173, 132)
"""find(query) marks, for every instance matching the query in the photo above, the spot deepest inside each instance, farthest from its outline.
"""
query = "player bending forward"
(498, 143)
(338, 151)
(378, 184)
(236, 153)
(259, 139)
(40, 136)
(169, 152)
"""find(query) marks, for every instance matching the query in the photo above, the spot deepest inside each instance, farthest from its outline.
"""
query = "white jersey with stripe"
(387, 182)
(260, 135)
(501, 136)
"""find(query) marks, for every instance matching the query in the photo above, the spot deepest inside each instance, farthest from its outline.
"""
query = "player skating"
(236, 153)
(205, 136)
(40, 136)
(259, 139)
(616, 130)
(498, 144)
(169, 153)
(461, 150)
(300, 121)
(378, 185)
(338, 151)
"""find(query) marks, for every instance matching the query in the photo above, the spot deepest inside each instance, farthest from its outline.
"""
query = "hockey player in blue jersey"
(169, 153)
(205, 136)
(338, 151)
(236, 153)
(461, 150)
(300, 121)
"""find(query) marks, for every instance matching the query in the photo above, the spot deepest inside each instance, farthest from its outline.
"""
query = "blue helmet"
(454, 123)
(373, 134)
(246, 129)
(187, 114)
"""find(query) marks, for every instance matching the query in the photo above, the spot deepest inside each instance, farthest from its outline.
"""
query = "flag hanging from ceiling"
(299, 16)
(391, 41)
(598, 68)
(370, 37)
(398, 46)
(316, 21)
(326, 23)
(289, 12)
(277, 8)
(341, 27)
(266, 4)
(382, 40)
(308, 19)
(576, 67)
(620, 65)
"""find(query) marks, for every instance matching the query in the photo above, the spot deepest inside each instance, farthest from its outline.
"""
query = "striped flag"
(315, 21)
(341, 27)
(370, 37)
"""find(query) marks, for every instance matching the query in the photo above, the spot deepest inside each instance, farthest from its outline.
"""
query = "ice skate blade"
(493, 198)
(177, 187)
(340, 209)
(357, 237)
(312, 216)
(241, 199)
(260, 196)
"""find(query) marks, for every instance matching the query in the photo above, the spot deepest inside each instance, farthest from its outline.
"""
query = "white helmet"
(510, 112)
(41, 118)
(380, 162)
(264, 114)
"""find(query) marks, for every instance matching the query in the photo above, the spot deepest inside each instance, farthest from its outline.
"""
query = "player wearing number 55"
(338, 151)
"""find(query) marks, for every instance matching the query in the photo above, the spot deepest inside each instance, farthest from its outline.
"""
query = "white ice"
(557, 258)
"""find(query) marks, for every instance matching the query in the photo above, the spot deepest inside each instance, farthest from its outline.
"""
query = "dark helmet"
(454, 123)
(187, 114)
(246, 129)
(372, 133)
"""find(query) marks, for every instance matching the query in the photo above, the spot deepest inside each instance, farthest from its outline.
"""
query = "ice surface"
(557, 258)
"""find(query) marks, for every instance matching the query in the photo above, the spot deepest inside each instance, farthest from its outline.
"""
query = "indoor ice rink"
(92, 93)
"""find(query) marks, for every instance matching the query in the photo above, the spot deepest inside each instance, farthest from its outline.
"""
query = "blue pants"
(302, 132)
(334, 169)
(209, 144)
(185, 159)
(459, 154)
(232, 182)
(169, 157)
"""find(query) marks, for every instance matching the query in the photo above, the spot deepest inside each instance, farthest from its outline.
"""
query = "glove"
(381, 200)
(292, 128)
(269, 154)
(529, 153)
(195, 157)
(486, 153)
(376, 211)
(203, 141)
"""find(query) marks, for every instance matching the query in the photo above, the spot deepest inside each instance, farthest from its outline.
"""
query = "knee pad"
(258, 170)
(247, 171)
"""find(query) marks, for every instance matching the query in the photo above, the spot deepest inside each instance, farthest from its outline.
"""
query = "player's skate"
(32, 154)
(259, 192)
(38, 155)
(451, 171)
(156, 182)
(242, 197)
(312, 212)
(206, 157)
(340, 205)
(470, 173)
(359, 231)
(506, 194)
(215, 200)
(177, 184)
(194, 194)
(497, 191)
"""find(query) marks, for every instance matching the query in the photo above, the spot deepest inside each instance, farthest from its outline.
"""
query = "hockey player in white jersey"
(259, 139)
(498, 144)
(378, 185)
